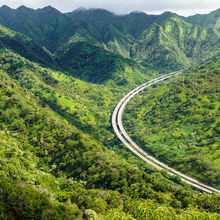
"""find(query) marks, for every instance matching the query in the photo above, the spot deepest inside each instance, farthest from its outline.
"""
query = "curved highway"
(137, 150)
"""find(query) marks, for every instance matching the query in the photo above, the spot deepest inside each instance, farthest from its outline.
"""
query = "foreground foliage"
(70, 174)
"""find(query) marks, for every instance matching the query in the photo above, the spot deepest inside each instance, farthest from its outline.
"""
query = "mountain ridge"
(120, 34)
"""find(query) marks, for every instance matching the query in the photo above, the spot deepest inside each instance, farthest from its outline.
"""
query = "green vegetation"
(64, 171)
(88, 106)
(24, 46)
(48, 27)
(61, 76)
(96, 65)
(164, 42)
(179, 122)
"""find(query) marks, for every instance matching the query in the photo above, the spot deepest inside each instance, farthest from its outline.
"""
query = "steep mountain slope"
(80, 59)
(162, 42)
(116, 32)
(94, 64)
(172, 42)
(205, 20)
(47, 26)
(24, 46)
(60, 172)
(86, 105)
(179, 122)
(167, 41)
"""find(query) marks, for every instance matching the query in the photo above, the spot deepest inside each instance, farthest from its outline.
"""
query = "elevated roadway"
(137, 150)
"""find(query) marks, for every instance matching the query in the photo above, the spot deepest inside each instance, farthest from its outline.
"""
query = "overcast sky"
(182, 7)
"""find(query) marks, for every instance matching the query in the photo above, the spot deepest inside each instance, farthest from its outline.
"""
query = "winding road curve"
(137, 150)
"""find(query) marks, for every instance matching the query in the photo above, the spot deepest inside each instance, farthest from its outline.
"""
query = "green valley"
(61, 76)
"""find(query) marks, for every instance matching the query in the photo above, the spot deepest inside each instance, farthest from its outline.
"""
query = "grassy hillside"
(61, 172)
(178, 122)
(172, 42)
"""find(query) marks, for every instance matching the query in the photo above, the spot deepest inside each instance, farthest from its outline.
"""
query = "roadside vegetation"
(178, 122)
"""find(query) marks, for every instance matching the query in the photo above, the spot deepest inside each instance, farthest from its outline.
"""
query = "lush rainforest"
(61, 75)
(179, 122)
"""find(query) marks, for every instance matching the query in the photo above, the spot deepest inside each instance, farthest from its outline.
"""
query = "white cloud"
(185, 7)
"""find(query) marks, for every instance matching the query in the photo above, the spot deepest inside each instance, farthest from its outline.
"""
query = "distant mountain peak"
(22, 8)
(217, 12)
(98, 9)
(102, 10)
(48, 9)
(80, 9)
(5, 7)
(137, 12)
(168, 13)
(92, 11)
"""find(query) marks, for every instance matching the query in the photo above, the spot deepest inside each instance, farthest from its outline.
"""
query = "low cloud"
(121, 7)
